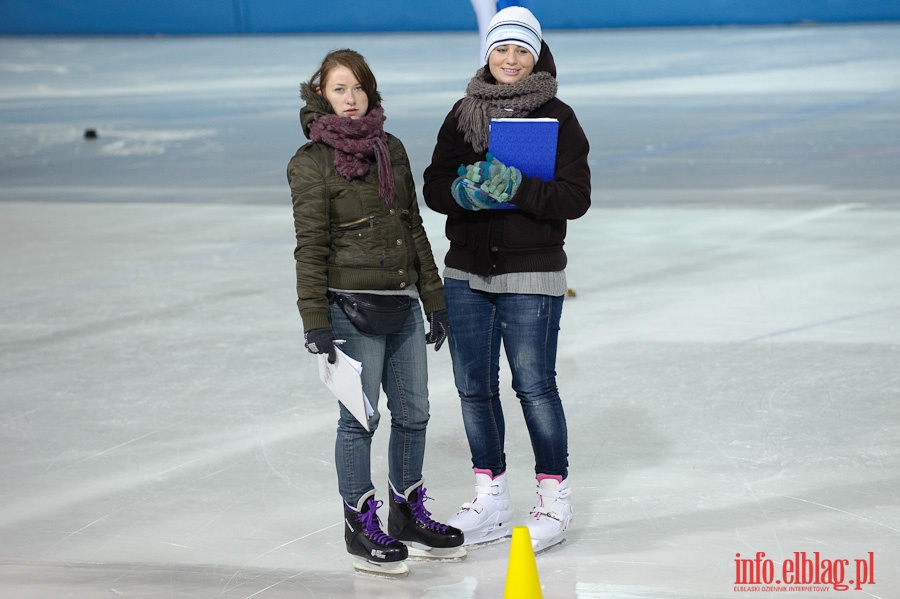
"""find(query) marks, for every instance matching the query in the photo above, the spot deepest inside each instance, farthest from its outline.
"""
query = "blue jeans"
(398, 363)
(528, 327)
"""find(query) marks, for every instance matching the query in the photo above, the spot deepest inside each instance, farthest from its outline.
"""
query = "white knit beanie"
(514, 25)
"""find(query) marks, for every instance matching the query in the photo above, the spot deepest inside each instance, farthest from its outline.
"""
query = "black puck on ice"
(90, 134)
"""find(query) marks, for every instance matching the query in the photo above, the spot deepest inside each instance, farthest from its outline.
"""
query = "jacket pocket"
(456, 230)
(523, 233)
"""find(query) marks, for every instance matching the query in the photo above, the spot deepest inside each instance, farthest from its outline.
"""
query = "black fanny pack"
(374, 314)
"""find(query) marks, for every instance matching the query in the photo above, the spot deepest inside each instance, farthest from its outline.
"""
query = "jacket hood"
(545, 63)
(317, 104)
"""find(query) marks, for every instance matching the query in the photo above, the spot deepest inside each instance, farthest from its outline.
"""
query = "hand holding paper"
(321, 341)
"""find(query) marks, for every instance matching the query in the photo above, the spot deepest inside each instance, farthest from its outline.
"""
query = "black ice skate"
(410, 522)
(374, 552)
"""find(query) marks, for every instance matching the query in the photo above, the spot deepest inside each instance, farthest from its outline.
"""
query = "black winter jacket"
(494, 242)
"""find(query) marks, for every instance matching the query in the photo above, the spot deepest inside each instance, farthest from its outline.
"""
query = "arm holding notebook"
(568, 194)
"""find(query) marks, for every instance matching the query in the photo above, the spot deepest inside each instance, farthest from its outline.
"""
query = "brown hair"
(354, 61)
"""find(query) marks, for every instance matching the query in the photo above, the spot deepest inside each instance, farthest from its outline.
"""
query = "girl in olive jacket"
(360, 239)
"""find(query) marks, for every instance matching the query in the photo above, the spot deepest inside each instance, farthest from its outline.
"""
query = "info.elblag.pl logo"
(802, 573)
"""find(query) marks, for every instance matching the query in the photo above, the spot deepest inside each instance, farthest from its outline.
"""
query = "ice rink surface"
(730, 366)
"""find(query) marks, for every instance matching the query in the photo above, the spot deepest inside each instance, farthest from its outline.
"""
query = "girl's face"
(345, 93)
(510, 63)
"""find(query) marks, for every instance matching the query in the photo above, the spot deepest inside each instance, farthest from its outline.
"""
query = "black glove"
(321, 341)
(439, 323)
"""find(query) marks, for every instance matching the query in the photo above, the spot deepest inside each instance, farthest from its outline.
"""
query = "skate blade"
(420, 552)
(380, 570)
(494, 537)
(544, 547)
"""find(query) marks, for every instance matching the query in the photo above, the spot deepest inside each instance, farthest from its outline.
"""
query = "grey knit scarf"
(486, 100)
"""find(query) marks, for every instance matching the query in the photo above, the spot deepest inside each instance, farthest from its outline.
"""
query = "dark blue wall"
(28, 17)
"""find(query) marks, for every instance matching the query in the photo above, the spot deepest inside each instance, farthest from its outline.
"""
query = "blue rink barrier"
(117, 17)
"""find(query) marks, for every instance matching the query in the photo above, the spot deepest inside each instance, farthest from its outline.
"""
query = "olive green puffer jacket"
(347, 237)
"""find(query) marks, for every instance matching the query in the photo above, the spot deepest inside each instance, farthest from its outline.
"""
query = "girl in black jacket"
(504, 279)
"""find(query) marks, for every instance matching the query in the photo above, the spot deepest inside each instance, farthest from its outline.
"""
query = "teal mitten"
(482, 170)
(497, 180)
(469, 196)
(504, 184)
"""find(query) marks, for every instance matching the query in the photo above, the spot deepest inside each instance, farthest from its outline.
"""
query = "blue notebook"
(527, 144)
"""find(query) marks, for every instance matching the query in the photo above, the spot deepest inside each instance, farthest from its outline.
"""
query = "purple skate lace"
(422, 514)
(372, 525)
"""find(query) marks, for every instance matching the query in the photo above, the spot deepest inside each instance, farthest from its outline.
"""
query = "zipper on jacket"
(355, 223)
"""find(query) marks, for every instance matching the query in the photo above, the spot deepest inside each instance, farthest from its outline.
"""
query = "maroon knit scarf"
(355, 143)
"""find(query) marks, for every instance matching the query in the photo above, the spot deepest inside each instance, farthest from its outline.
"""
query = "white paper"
(343, 379)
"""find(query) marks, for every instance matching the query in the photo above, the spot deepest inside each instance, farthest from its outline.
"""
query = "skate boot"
(411, 523)
(487, 517)
(552, 515)
(374, 552)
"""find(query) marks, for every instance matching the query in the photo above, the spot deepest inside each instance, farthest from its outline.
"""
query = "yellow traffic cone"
(522, 576)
